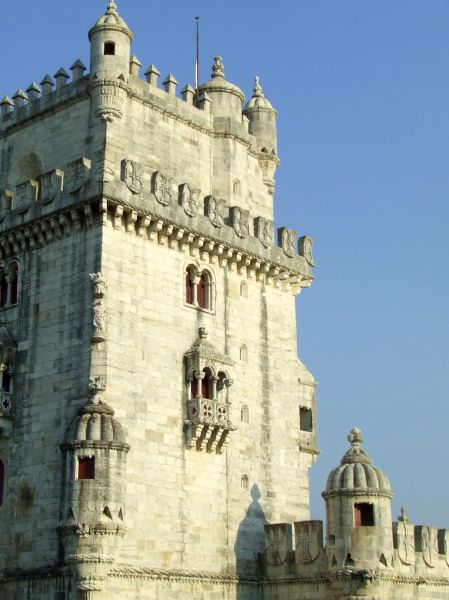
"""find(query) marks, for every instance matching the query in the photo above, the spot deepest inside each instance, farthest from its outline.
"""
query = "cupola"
(358, 510)
(262, 120)
(226, 98)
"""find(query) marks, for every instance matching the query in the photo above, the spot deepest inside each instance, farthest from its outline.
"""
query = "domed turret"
(110, 40)
(227, 98)
(358, 508)
(262, 120)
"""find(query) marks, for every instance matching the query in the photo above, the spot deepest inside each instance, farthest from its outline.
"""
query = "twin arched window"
(9, 284)
(198, 288)
(212, 387)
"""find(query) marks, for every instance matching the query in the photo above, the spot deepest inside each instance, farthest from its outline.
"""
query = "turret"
(358, 509)
(110, 50)
(262, 120)
(110, 44)
(226, 98)
(94, 480)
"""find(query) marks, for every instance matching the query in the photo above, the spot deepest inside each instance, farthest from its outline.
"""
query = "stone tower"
(154, 413)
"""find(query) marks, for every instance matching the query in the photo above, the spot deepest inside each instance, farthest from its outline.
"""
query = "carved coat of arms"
(132, 175)
(240, 221)
(214, 209)
(162, 187)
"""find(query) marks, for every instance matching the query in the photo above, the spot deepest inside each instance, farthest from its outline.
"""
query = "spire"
(257, 90)
(218, 68)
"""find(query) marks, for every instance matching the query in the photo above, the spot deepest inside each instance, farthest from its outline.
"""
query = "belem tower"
(156, 425)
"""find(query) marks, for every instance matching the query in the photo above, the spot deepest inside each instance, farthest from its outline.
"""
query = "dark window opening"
(6, 380)
(363, 514)
(109, 49)
(202, 291)
(194, 387)
(206, 384)
(86, 467)
(189, 288)
(3, 291)
(14, 287)
(221, 386)
(2, 481)
(305, 419)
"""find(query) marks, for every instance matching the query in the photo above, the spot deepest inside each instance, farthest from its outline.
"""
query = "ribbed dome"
(111, 18)
(356, 472)
(218, 83)
(258, 99)
(96, 423)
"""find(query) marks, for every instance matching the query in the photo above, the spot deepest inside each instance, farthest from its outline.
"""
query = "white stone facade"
(156, 420)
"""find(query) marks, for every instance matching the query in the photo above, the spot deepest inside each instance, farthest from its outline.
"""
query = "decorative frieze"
(305, 244)
(26, 195)
(214, 209)
(264, 231)
(286, 240)
(6, 203)
(240, 221)
(163, 188)
(189, 198)
(51, 183)
(77, 174)
(132, 175)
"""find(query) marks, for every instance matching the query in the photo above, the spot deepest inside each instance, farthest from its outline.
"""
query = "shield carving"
(277, 543)
(405, 542)
(429, 545)
(309, 540)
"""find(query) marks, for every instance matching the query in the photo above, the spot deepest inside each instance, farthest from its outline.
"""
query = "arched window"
(189, 287)
(244, 289)
(206, 384)
(194, 387)
(2, 481)
(221, 386)
(198, 288)
(14, 281)
(3, 290)
(244, 353)
(202, 290)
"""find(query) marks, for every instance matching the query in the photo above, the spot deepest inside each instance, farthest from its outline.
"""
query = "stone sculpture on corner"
(98, 308)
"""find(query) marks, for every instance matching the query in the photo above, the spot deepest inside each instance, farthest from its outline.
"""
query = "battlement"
(298, 550)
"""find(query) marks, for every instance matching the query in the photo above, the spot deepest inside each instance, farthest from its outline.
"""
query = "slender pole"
(197, 62)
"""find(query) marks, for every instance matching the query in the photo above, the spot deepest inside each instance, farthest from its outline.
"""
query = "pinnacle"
(355, 437)
(257, 91)
(112, 8)
(218, 68)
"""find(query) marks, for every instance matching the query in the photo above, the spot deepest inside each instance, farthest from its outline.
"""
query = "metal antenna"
(197, 61)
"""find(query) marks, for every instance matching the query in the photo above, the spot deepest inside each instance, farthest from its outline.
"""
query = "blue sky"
(362, 91)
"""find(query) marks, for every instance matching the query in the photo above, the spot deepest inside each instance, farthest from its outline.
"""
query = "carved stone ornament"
(443, 544)
(76, 174)
(51, 184)
(264, 231)
(96, 387)
(286, 240)
(305, 249)
(7, 349)
(277, 543)
(6, 200)
(26, 194)
(99, 321)
(108, 99)
(163, 188)
(404, 537)
(99, 283)
(132, 175)
(309, 540)
(214, 209)
(427, 542)
(189, 199)
(240, 221)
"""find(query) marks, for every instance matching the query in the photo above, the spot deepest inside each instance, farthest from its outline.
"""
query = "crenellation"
(33, 91)
(47, 84)
(134, 66)
(152, 74)
(61, 76)
(19, 99)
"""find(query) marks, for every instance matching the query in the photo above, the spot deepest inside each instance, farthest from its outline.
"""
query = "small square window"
(363, 514)
(86, 467)
(109, 49)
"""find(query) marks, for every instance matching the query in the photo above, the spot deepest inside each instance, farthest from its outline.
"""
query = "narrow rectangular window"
(86, 467)
(2, 481)
(305, 419)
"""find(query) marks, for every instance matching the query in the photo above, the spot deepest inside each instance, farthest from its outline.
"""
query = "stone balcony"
(208, 424)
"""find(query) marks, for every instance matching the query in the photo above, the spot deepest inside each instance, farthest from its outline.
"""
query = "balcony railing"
(208, 412)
